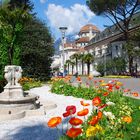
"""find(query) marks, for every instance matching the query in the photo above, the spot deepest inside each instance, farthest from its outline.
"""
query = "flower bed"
(114, 116)
(28, 83)
(117, 76)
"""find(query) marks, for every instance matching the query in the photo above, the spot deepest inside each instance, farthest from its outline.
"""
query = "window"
(116, 48)
(100, 52)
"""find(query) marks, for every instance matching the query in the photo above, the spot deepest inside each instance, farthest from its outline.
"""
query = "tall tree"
(75, 57)
(13, 16)
(88, 59)
(81, 58)
(37, 50)
(68, 62)
(120, 12)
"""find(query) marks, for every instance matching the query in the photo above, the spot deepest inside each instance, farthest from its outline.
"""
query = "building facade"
(104, 46)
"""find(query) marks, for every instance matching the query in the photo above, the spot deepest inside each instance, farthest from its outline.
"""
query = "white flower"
(110, 103)
(109, 115)
(110, 81)
(106, 86)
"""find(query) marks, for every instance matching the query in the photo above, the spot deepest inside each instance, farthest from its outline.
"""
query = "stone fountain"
(14, 102)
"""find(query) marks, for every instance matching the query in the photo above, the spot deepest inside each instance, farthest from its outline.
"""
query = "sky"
(73, 14)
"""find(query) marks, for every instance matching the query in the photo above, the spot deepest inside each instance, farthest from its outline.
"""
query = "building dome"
(87, 28)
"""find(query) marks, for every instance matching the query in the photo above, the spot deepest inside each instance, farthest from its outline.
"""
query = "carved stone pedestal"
(13, 92)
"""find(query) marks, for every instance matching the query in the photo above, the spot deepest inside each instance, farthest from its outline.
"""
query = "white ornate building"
(103, 45)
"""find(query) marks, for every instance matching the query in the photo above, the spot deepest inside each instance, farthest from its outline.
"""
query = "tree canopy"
(121, 13)
(37, 50)
(25, 40)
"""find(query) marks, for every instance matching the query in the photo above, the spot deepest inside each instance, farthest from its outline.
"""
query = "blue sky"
(71, 13)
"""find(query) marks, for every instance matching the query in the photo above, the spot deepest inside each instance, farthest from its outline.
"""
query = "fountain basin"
(14, 116)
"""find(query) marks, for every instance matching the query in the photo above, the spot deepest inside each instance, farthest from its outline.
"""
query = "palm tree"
(75, 57)
(72, 64)
(88, 59)
(68, 63)
(81, 57)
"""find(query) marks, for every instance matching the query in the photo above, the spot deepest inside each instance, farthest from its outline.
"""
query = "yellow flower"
(119, 84)
(92, 130)
(103, 84)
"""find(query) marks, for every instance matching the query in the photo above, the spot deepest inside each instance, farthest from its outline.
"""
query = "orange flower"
(105, 93)
(53, 122)
(90, 77)
(84, 104)
(110, 90)
(117, 87)
(74, 132)
(110, 85)
(96, 101)
(94, 120)
(100, 114)
(135, 94)
(95, 82)
(83, 112)
(126, 90)
(127, 119)
(101, 81)
(99, 91)
(75, 121)
(78, 79)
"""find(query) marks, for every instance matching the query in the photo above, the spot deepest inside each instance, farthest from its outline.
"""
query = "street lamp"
(104, 64)
(63, 31)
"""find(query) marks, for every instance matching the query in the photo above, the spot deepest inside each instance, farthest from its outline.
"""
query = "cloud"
(74, 17)
(43, 1)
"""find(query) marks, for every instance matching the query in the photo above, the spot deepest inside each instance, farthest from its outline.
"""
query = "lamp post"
(104, 64)
(63, 31)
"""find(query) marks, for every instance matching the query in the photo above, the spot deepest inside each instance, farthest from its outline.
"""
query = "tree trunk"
(76, 65)
(10, 55)
(131, 69)
(88, 68)
(68, 68)
(82, 68)
(72, 69)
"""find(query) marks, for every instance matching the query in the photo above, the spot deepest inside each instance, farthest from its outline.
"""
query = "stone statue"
(12, 75)
(17, 75)
(8, 75)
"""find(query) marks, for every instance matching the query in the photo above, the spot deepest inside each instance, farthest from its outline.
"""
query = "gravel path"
(35, 128)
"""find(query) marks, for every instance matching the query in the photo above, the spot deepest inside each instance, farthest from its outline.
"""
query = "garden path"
(35, 128)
